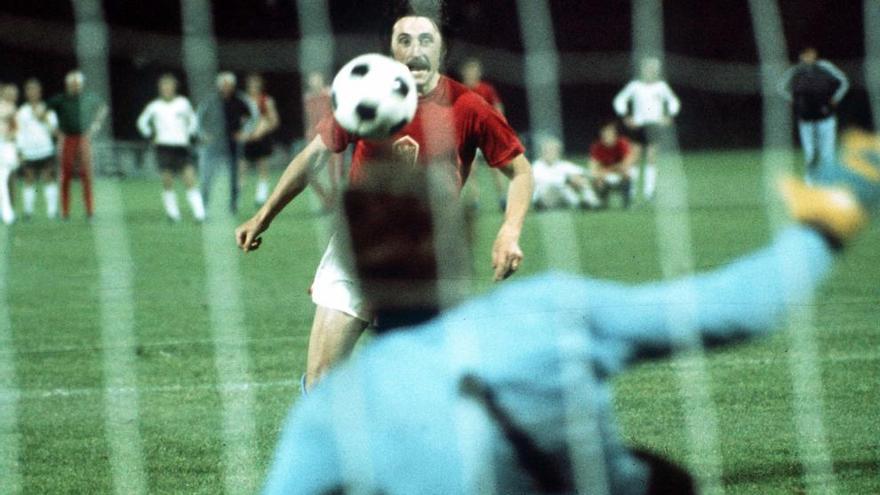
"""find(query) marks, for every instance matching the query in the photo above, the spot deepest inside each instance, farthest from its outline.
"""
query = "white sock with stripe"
(29, 197)
(50, 192)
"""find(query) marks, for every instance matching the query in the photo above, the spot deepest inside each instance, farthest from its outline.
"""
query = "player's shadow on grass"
(780, 470)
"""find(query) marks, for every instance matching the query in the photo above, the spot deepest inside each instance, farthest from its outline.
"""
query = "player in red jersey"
(451, 122)
(611, 164)
(472, 76)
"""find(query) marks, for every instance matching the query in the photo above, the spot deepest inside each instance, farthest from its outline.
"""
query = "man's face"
(416, 43)
(33, 92)
(10, 93)
(608, 135)
(227, 88)
(809, 56)
(254, 85)
(73, 85)
(167, 88)
(551, 151)
(471, 73)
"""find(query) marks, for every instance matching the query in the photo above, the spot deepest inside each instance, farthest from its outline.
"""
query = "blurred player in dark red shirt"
(450, 124)
(471, 71)
(611, 164)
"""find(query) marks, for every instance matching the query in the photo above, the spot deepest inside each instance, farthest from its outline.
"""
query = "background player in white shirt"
(8, 152)
(170, 122)
(36, 127)
(559, 182)
(647, 105)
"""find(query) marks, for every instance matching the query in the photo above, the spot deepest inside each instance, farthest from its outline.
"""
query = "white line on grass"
(231, 353)
(672, 218)
(10, 466)
(231, 359)
(117, 333)
(115, 266)
(833, 359)
(561, 247)
(812, 441)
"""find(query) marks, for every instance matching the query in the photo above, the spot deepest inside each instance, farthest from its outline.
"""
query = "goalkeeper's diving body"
(509, 392)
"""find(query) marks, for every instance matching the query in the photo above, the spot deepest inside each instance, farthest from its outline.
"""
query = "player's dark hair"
(32, 80)
(433, 10)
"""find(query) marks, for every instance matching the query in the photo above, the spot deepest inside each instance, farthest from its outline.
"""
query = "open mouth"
(418, 65)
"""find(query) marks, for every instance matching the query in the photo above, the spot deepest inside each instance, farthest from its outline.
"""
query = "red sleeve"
(624, 147)
(594, 152)
(494, 98)
(494, 136)
(335, 138)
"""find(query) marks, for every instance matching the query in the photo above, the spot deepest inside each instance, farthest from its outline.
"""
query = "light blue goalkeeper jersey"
(403, 417)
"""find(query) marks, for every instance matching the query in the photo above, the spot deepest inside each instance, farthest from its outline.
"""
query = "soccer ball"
(373, 96)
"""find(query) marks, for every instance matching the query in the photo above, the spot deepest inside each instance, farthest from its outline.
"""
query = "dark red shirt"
(450, 123)
(487, 91)
(316, 106)
(608, 156)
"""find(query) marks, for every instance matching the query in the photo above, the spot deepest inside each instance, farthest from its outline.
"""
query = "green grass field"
(182, 368)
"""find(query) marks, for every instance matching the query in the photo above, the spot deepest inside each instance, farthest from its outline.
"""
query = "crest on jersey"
(405, 150)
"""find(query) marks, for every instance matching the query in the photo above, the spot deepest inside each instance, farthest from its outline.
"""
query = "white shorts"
(335, 286)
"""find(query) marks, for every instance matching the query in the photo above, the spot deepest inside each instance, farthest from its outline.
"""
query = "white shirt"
(556, 174)
(651, 101)
(169, 123)
(34, 136)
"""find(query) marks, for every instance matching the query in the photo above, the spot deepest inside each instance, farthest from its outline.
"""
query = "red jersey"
(487, 91)
(316, 106)
(450, 123)
(608, 156)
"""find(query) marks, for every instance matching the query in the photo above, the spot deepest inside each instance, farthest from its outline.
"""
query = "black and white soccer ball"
(373, 96)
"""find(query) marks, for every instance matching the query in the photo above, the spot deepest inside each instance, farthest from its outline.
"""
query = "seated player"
(559, 183)
(512, 390)
(611, 164)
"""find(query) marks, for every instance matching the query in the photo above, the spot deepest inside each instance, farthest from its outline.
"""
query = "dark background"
(593, 38)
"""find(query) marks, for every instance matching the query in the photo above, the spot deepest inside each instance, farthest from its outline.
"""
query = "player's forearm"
(293, 181)
(519, 194)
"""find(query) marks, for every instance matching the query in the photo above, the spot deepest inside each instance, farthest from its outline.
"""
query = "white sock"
(29, 195)
(170, 200)
(7, 214)
(650, 180)
(194, 196)
(262, 191)
(635, 173)
(50, 192)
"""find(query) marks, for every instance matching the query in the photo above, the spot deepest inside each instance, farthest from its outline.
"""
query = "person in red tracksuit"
(80, 116)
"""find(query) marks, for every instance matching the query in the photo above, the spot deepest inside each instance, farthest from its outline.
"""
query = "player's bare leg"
(169, 198)
(650, 179)
(193, 194)
(334, 335)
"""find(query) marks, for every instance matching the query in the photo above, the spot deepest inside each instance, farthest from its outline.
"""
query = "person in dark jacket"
(815, 87)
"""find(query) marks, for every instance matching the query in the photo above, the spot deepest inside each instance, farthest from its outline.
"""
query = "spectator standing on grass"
(815, 87)
(222, 119)
(611, 164)
(80, 116)
(258, 147)
(37, 126)
(170, 123)
(559, 183)
(8, 151)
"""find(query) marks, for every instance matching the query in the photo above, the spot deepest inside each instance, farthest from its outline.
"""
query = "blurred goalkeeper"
(510, 392)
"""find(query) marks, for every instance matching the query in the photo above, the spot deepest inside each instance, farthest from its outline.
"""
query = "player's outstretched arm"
(506, 253)
(292, 182)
